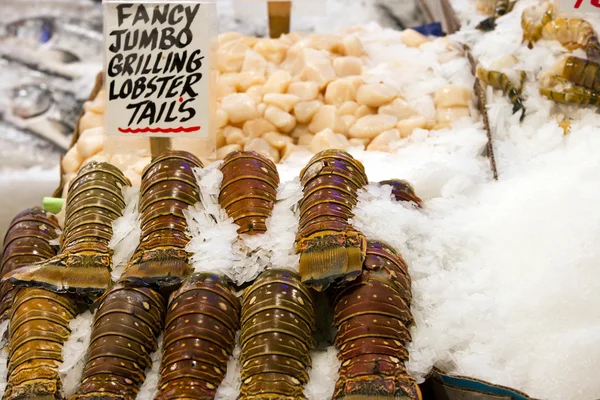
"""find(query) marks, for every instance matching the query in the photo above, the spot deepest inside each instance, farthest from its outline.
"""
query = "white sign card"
(157, 68)
(579, 6)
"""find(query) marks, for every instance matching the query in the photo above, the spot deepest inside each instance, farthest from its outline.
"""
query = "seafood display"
(501, 7)
(202, 319)
(532, 29)
(573, 80)
(249, 190)
(304, 92)
(372, 316)
(278, 321)
(27, 241)
(500, 81)
(330, 248)
(83, 265)
(130, 315)
(124, 334)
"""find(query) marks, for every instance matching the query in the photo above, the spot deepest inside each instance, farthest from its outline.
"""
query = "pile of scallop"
(367, 87)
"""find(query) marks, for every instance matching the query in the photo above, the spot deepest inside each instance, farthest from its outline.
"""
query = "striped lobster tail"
(124, 335)
(372, 315)
(168, 188)
(83, 266)
(27, 241)
(249, 190)
(278, 321)
(39, 326)
(39, 319)
(331, 249)
(202, 319)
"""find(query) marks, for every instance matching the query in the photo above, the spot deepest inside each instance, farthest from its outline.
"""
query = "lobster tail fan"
(86, 274)
(161, 273)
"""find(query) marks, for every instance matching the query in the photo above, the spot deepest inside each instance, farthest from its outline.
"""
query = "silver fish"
(48, 112)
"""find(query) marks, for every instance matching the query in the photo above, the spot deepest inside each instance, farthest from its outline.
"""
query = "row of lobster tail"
(131, 315)
(278, 321)
(83, 265)
(249, 190)
(168, 188)
(331, 249)
(372, 316)
(39, 319)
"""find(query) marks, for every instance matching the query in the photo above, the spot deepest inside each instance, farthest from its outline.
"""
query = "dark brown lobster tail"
(330, 248)
(248, 190)
(124, 335)
(83, 266)
(202, 319)
(168, 188)
(403, 191)
(27, 241)
(278, 321)
(372, 316)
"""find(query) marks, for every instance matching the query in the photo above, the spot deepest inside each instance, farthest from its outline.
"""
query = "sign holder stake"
(159, 145)
(280, 14)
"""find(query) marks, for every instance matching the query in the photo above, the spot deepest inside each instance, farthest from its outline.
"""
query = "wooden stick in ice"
(280, 13)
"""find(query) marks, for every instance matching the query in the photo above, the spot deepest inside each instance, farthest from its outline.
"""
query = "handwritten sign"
(579, 5)
(157, 68)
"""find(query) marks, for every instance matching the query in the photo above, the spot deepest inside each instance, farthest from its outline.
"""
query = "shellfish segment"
(249, 190)
(278, 321)
(39, 326)
(168, 188)
(402, 190)
(202, 319)
(27, 241)
(124, 335)
(372, 316)
(331, 249)
(83, 266)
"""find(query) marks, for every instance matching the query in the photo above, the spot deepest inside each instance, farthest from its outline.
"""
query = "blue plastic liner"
(480, 386)
(432, 29)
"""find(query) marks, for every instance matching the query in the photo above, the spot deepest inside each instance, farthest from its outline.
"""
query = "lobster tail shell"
(39, 326)
(202, 319)
(249, 190)
(330, 248)
(27, 241)
(168, 188)
(124, 335)
(402, 190)
(372, 316)
(83, 266)
(278, 321)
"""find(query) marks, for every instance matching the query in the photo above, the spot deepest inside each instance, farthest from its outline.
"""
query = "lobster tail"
(373, 315)
(403, 191)
(202, 319)
(277, 324)
(168, 188)
(27, 241)
(83, 266)
(330, 248)
(39, 326)
(249, 190)
(124, 335)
